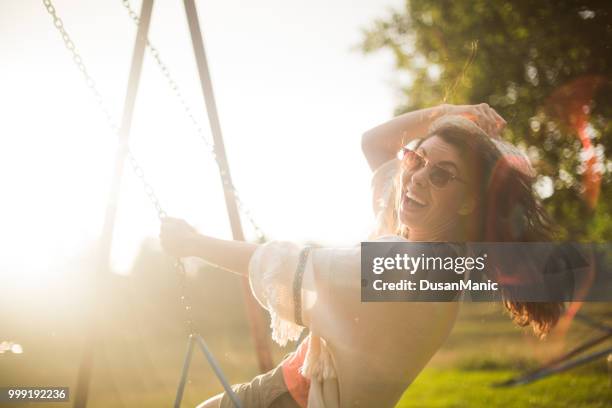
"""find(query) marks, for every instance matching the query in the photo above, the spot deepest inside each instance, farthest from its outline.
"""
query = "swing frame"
(255, 317)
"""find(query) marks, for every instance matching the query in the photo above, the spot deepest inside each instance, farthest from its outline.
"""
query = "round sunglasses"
(438, 176)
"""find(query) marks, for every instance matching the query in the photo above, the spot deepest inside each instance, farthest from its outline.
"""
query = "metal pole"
(217, 369)
(559, 368)
(85, 368)
(556, 361)
(184, 372)
(256, 319)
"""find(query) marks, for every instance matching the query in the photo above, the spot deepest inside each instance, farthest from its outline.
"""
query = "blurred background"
(296, 84)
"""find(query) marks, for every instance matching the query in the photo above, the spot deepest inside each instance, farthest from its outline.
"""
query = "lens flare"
(571, 104)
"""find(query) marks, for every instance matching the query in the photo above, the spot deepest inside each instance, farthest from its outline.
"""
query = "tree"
(545, 66)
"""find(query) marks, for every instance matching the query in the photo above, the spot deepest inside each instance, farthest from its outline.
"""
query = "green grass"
(452, 388)
(485, 348)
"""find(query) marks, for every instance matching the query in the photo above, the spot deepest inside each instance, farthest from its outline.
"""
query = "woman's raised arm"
(381, 144)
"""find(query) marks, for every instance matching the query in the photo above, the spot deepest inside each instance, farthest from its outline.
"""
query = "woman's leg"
(264, 391)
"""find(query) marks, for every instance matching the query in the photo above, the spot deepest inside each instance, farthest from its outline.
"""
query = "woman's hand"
(482, 114)
(178, 238)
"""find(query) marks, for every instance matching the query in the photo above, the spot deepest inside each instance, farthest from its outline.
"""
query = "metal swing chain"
(171, 82)
(194, 336)
(91, 84)
(138, 171)
(136, 168)
(210, 148)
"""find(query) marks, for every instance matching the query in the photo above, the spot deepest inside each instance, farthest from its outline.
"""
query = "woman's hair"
(506, 208)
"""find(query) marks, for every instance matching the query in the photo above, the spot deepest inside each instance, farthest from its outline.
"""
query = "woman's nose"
(419, 177)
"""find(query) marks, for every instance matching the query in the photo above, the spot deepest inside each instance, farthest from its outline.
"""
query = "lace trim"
(283, 330)
(318, 363)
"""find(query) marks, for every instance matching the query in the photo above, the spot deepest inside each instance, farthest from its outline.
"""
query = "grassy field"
(141, 338)
(473, 359)
(471, 388)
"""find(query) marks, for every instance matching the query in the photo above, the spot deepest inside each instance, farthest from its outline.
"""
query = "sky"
(294, 95)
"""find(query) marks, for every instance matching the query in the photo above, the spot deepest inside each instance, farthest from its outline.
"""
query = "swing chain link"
(91, 84)
(171, 82)
(210, 148)
(148, 189)
(78, 61)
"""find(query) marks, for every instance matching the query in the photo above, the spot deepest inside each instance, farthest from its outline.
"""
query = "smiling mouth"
(413, 202)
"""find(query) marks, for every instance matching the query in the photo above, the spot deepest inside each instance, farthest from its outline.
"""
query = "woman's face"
(429, 210)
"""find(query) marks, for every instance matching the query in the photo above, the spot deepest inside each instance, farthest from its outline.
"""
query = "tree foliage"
(545, 66)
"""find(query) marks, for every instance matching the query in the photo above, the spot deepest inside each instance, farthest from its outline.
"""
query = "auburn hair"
(507, 209)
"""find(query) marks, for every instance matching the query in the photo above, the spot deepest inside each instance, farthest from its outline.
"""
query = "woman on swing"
(458, 183)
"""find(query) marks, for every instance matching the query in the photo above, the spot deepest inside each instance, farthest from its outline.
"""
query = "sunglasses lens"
(439, 177)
